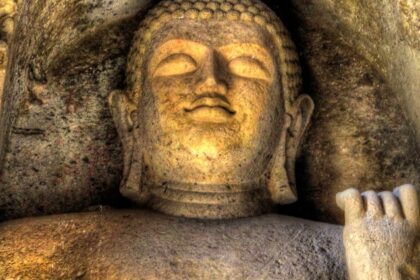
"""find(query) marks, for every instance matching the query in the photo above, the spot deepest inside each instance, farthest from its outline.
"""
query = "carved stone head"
(211, 119)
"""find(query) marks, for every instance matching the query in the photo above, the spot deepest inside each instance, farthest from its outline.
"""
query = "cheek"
(255, 100)
(170, 94)
(258, 105)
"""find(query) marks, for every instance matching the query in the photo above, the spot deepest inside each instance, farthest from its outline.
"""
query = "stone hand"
(7, 11)
(380, 231)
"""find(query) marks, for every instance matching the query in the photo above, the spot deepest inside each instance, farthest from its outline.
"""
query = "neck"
(209, 201)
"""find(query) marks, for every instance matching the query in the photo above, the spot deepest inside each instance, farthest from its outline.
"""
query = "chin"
(210, 130)
(211, 148)
(204, 156)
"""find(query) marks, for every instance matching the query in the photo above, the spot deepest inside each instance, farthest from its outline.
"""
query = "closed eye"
(175, 64)
(249, 67)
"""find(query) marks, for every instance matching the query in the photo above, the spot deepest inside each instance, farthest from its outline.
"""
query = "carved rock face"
(209, 133)
(211, 104)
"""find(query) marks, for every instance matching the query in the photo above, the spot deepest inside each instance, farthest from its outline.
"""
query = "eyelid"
(172, 58)
(252, 60)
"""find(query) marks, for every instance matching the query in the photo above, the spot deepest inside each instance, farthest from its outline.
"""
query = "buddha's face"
(210, 136)
(211, 110)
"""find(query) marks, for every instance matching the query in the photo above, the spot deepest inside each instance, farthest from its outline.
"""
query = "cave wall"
(385, 33)
(360, 60)
(61, 151)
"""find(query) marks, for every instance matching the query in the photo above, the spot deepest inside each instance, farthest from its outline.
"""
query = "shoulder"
(114, 243)
(45, 247)
(265, 247)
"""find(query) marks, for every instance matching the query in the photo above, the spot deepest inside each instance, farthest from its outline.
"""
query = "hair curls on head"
(200, 10)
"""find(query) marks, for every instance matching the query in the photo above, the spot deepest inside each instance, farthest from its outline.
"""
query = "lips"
(210, 109)
(205, 103)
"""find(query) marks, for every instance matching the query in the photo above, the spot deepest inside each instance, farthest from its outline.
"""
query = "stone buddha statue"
(211, 121)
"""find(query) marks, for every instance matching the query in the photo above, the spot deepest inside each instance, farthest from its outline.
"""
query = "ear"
(122, 108)
(281, 177)
(301, 114)
(123, 112)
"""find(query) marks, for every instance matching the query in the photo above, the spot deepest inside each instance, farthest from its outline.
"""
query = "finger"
(7, 9)
(409, 199)
(391, 205)
(8, 26)
(373, 204)
(351, 203)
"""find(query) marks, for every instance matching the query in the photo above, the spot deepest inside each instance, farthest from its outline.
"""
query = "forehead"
(214, 33)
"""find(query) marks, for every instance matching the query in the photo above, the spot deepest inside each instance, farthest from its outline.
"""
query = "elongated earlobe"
(281, 181)
(280, 190)
(122, 110)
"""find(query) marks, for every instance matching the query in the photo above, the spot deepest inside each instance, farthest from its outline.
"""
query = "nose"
(213, 76)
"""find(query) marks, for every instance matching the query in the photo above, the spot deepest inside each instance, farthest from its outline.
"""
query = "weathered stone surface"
(386, 34)
(144, 245)
(64, 154)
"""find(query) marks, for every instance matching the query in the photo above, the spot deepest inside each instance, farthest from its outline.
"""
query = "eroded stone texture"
(145, 245)
(386, 34)
(63, 153)
(67, 169)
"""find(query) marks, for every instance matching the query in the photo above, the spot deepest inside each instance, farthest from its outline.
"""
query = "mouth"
(210, 109)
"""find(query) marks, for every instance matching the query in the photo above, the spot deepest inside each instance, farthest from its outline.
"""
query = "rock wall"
(63, 153)
(387, 34)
